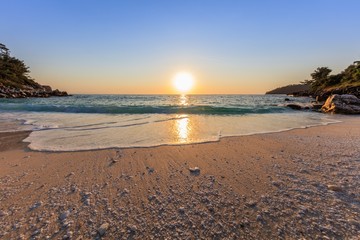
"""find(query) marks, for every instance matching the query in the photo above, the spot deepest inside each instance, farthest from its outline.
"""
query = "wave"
(207, 110)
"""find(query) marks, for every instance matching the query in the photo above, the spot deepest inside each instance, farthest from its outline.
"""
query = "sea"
(88, 122)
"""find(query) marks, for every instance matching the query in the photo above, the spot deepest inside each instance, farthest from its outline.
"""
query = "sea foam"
(72, 132)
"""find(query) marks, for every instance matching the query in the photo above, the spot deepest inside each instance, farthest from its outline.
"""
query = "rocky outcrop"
(299, 106)
(26, 92)
(346, 104)
(326, 93)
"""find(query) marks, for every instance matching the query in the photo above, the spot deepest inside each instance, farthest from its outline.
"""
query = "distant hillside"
(290, 89)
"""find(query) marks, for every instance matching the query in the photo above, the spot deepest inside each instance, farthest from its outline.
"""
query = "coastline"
(270, 185)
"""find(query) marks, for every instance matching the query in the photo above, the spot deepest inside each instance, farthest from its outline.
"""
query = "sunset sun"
(183, 81)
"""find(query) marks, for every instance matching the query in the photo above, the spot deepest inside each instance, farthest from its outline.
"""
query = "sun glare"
(183, 81)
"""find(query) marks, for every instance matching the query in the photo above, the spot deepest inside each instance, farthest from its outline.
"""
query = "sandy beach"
(298, 184)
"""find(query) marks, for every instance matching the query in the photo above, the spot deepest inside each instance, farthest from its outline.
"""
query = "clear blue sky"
(137, 46)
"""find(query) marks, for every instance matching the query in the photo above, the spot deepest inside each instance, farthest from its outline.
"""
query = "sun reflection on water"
(183, 100)
(183, 128)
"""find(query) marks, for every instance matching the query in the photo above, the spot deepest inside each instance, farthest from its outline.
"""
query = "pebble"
(73, 188)
(334, 188)
(150, 170)
(36, 205)
(64, 215)
(181, 210)
(132, 228)
(251, 204)
(194, 170)
(103, 228)
(259, 218)
(70, 234)
(3, 213)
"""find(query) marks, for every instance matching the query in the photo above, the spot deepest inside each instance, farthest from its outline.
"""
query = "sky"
(136, 47)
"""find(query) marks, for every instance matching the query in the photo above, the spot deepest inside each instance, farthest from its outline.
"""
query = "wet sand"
(302, 183)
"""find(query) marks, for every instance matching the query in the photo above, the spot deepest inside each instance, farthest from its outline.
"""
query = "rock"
(287, 100)
(317, 106)
(86, 198)
(24, 91)
(70, 234)
(195, 170)
(346, 104)
(334, 188)
(294, 106)
(3, 213)
(181, 210)
(64, 215)
(87, 194)
(132, 228)
(251, 204)
(125, 191)
(58, 93)
(150, 170)
(324, 94)
(36, 232)
(73, 188)
(103, 228)
(47, 89)
(259, 218)
(36, 205)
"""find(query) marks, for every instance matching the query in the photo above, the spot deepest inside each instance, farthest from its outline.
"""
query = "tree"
(352, 73)
(319, 78)
(4, 51)
(14, 72)
(321, 74)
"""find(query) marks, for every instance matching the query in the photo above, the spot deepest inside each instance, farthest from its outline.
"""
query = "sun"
(183, 81)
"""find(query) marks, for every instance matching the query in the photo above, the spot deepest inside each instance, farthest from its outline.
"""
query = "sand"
(302, 183)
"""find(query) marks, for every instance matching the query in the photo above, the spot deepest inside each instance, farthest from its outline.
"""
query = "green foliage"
(14, 72)
(321, 78)
(4, 50)
(352, 73)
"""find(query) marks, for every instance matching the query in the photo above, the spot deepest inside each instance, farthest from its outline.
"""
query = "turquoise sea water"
(152, 104)
(83, 122)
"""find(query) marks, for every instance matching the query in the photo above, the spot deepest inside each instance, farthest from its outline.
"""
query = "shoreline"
(40, 140)
(165, 145)
(290, 184)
